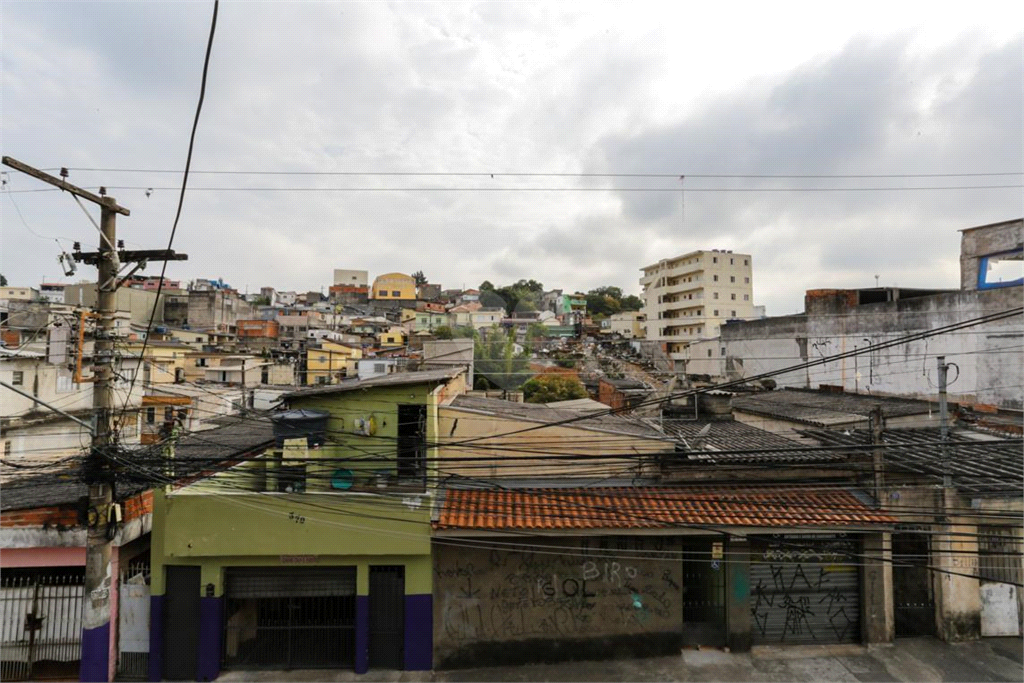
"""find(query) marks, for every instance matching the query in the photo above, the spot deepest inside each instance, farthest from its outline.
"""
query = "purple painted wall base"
(211, 614)
(156, 637)
(362, 634)
(95, 654)
(419, 632)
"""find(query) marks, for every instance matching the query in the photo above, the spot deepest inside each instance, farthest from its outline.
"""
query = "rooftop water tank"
(296, 424)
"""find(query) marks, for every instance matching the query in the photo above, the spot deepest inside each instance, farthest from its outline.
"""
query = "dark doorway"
(181, 623)
(285, 618)
(703, 593)
(387, 617)
(913, 598)
(412, 442)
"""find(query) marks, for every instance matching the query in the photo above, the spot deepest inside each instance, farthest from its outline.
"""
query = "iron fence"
(40, 625)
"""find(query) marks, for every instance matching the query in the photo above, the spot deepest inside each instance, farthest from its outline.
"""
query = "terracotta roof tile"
(651, 508)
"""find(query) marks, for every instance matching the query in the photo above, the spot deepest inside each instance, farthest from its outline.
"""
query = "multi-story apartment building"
(689, 297)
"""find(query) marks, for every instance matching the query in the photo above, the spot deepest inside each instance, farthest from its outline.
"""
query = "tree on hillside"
(521, 296)
(495, 360)
(553, 387)
(602, 303)
(3, 281)
(632, 303)
(420, 278)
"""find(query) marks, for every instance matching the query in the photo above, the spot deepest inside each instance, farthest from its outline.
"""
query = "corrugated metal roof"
(651, 508)
(821, 408)
(194, 453)
(730, 435)
(977, 463)
(394, 379)
(549, 414)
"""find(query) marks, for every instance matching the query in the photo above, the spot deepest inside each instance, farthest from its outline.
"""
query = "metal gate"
(133, 623)
(289, 617)
(912, 594)
(805, 590)
(387, 617)
(703, 593)
(40, 625)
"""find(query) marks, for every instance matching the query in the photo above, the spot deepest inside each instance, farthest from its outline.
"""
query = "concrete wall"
(138, 302)
(982, 241)
(557, 599)
(989, 357)
(217, 309)
(488, 436)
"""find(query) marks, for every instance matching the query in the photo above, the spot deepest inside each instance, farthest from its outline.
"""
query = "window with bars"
(999, 555)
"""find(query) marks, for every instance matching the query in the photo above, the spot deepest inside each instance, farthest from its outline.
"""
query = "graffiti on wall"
(574, 591)
(805, 593)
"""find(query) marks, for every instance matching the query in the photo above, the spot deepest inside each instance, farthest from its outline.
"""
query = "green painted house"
(315, 550)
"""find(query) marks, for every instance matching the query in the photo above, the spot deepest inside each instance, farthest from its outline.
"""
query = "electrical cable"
(184, 180)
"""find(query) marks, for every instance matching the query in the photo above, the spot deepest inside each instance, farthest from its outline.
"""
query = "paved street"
(917, 659)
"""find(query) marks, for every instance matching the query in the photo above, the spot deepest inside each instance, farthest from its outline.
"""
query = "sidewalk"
(914, 659)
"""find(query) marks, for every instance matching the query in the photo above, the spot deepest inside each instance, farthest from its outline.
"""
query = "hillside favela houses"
(383, 475)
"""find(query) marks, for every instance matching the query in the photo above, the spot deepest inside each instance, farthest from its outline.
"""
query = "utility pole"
(98, 476)
(944, 421)
(877, 457)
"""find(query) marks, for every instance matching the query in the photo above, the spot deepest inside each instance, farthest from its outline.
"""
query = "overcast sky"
(518, 87)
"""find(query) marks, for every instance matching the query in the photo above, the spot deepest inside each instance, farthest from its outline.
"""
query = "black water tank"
(296, 424)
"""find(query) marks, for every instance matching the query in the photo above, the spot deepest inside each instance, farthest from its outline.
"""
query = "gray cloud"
(491, 87)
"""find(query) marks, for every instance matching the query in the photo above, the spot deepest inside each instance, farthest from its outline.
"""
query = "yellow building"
(392, 338)
(330, 362)
(163, 363)
(394, 286)
(194, 338)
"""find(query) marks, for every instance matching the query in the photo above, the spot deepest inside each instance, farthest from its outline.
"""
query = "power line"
(946, 188)
(184, 184)
(513, 174)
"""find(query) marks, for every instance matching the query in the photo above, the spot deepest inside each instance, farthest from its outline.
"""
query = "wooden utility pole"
(98, 475)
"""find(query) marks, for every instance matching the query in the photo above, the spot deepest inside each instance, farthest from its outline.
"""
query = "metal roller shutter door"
(289, 617)
(805, 590)
(267, 582)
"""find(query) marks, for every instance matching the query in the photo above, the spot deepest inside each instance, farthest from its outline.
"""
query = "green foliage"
(3, 281)
(536, 331)
(443, 332)
(495, 359)
(518, 297)
(609, 301)
(553, 387)
(261, 301)
(632, 303)
(463, 332)
(602, 304)
(490, 299)
(420, 278)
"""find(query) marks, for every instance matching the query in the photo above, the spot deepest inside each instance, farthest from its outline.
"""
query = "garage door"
(805, 590)
(290, 617)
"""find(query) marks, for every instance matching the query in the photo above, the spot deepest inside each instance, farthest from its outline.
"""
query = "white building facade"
(690, 297)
